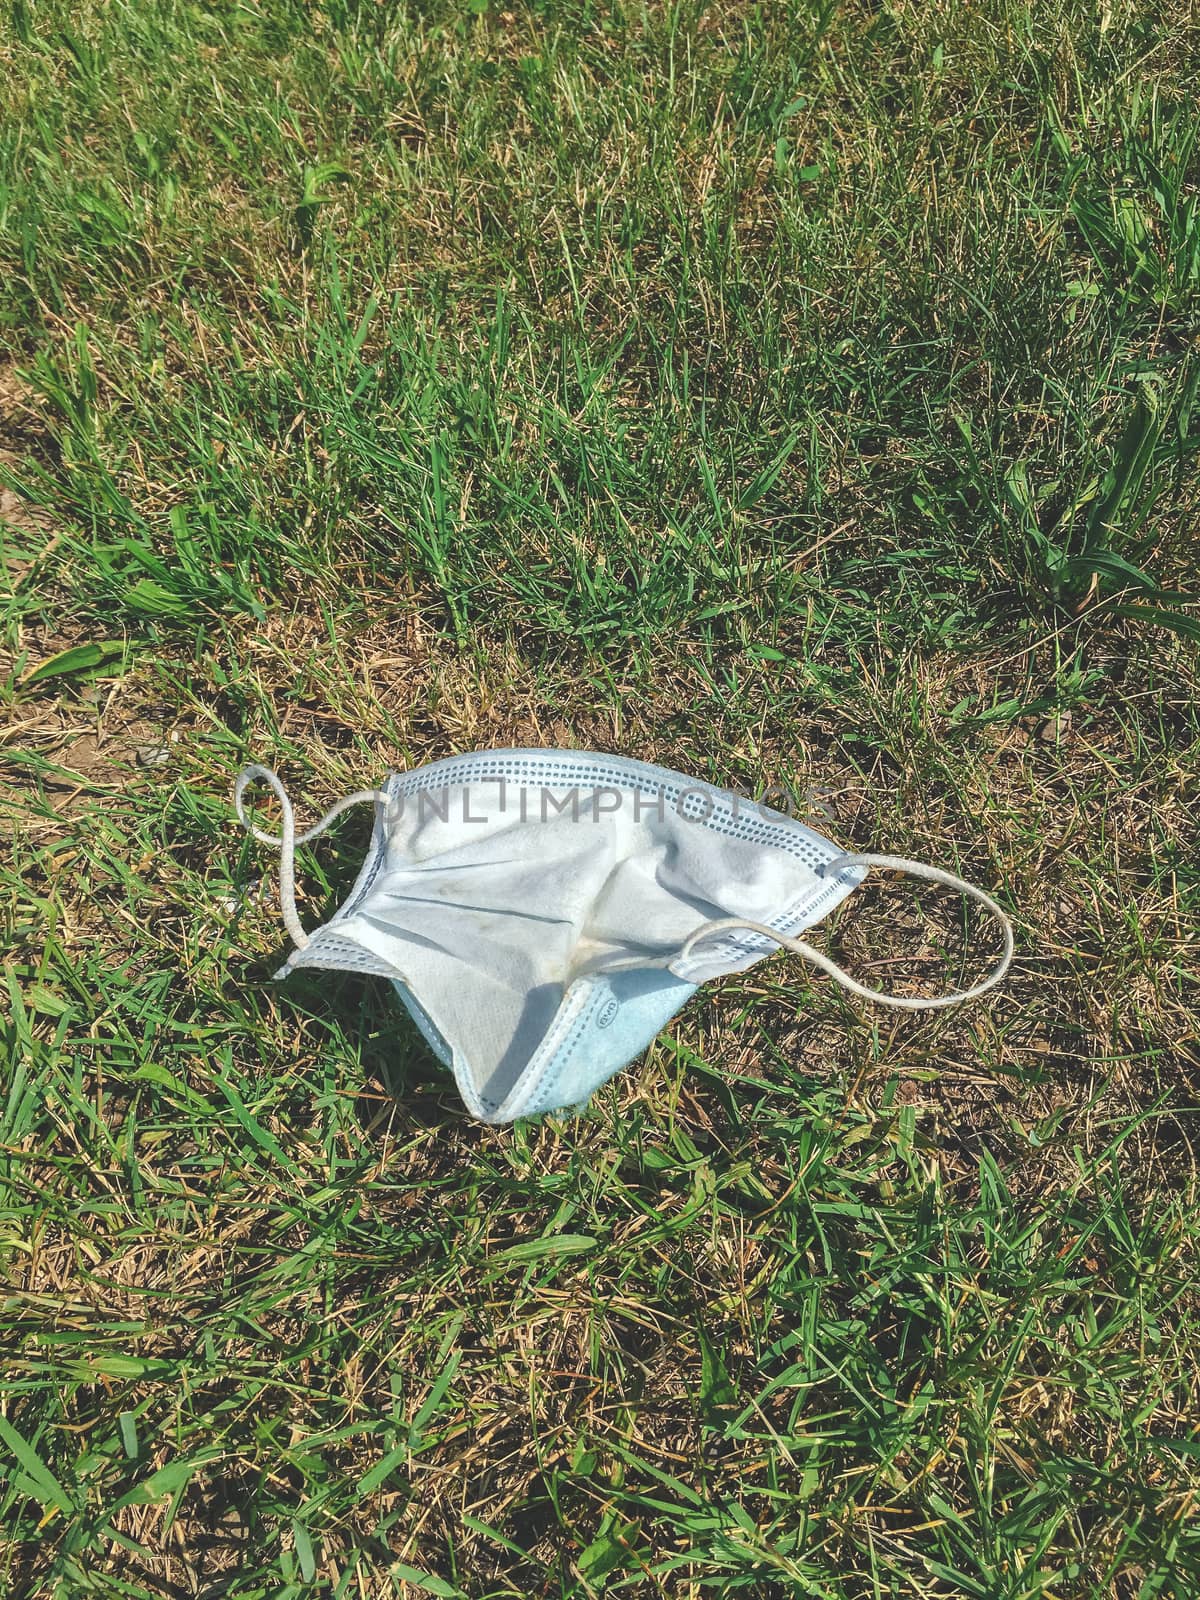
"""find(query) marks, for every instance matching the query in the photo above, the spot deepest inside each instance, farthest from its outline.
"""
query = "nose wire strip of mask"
(287, 841)
(915, 869)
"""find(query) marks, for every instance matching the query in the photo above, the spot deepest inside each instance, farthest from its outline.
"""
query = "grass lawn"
(799, 395)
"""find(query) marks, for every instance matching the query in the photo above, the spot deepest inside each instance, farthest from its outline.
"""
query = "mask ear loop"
(914, 869)
(287, 841)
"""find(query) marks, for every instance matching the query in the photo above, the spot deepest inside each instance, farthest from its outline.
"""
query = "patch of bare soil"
(90, 741)
(27, 533)
(90, 735)
(19, 431)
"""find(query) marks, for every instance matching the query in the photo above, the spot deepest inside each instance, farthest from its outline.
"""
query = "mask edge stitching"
(562, 1055)
(559, 1037)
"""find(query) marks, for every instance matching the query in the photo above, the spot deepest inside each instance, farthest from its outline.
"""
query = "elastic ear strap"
(915, 869)
(287, 841)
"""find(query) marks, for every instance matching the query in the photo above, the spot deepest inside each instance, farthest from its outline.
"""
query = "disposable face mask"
(544, 913)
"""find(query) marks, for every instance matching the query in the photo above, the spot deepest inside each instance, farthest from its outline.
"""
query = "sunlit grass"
(794, 397)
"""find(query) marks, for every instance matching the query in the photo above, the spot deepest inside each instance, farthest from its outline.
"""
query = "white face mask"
(544, 913)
